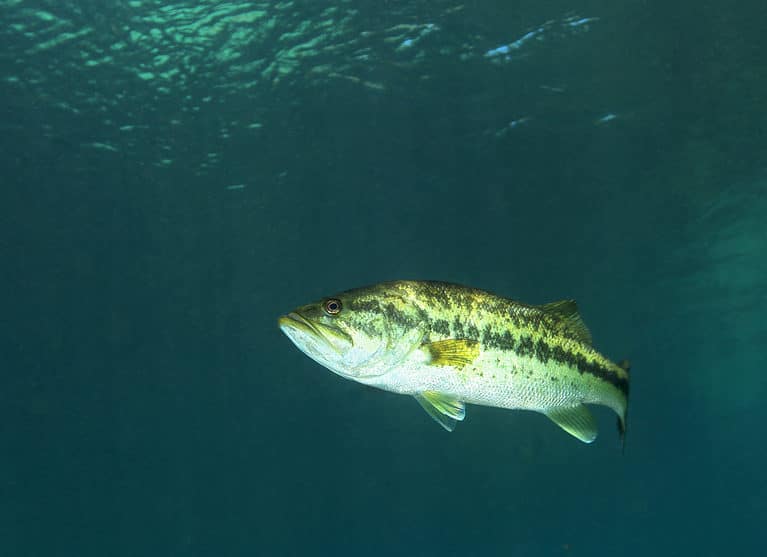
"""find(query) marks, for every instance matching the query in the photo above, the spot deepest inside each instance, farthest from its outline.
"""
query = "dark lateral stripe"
(544, 352)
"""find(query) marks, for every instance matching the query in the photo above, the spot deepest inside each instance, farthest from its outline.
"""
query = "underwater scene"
(419, 278)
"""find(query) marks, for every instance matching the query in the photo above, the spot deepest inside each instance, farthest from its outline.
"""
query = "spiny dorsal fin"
(446, 411)
(567, 313)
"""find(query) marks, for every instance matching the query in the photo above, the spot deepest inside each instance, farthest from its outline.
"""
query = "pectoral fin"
(446, 411)
(575, 420)
(452, 352)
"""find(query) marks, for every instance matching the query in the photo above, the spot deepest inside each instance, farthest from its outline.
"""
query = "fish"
(449, 345)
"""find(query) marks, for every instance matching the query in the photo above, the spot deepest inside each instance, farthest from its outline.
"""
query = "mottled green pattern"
(455, 311)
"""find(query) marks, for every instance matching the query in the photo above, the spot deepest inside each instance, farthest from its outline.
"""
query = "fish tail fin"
(622, 431)
(625, 365)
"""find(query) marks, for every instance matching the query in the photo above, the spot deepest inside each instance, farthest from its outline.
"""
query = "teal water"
(177, 175)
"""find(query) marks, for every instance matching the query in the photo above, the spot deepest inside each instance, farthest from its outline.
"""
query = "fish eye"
(332, 306)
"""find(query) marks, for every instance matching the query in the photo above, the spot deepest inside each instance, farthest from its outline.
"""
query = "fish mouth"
(296, 323)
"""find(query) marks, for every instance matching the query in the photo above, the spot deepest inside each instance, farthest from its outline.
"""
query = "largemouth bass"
(448, 345)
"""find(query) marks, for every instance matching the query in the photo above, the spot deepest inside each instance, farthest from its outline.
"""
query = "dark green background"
(150, 405)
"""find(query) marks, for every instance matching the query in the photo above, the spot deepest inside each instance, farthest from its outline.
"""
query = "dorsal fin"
(566, 312)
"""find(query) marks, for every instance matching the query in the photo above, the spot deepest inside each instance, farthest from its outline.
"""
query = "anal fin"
(575, 420)
(445, 410)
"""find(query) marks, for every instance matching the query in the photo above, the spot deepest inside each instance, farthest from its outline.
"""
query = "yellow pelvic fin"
(570, 320)
(575, 420)
(445, 410)
(452, 352)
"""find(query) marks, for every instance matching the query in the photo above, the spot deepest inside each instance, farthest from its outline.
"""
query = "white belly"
(500, 379)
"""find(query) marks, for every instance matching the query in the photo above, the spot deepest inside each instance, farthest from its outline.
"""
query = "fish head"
(351, 333)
